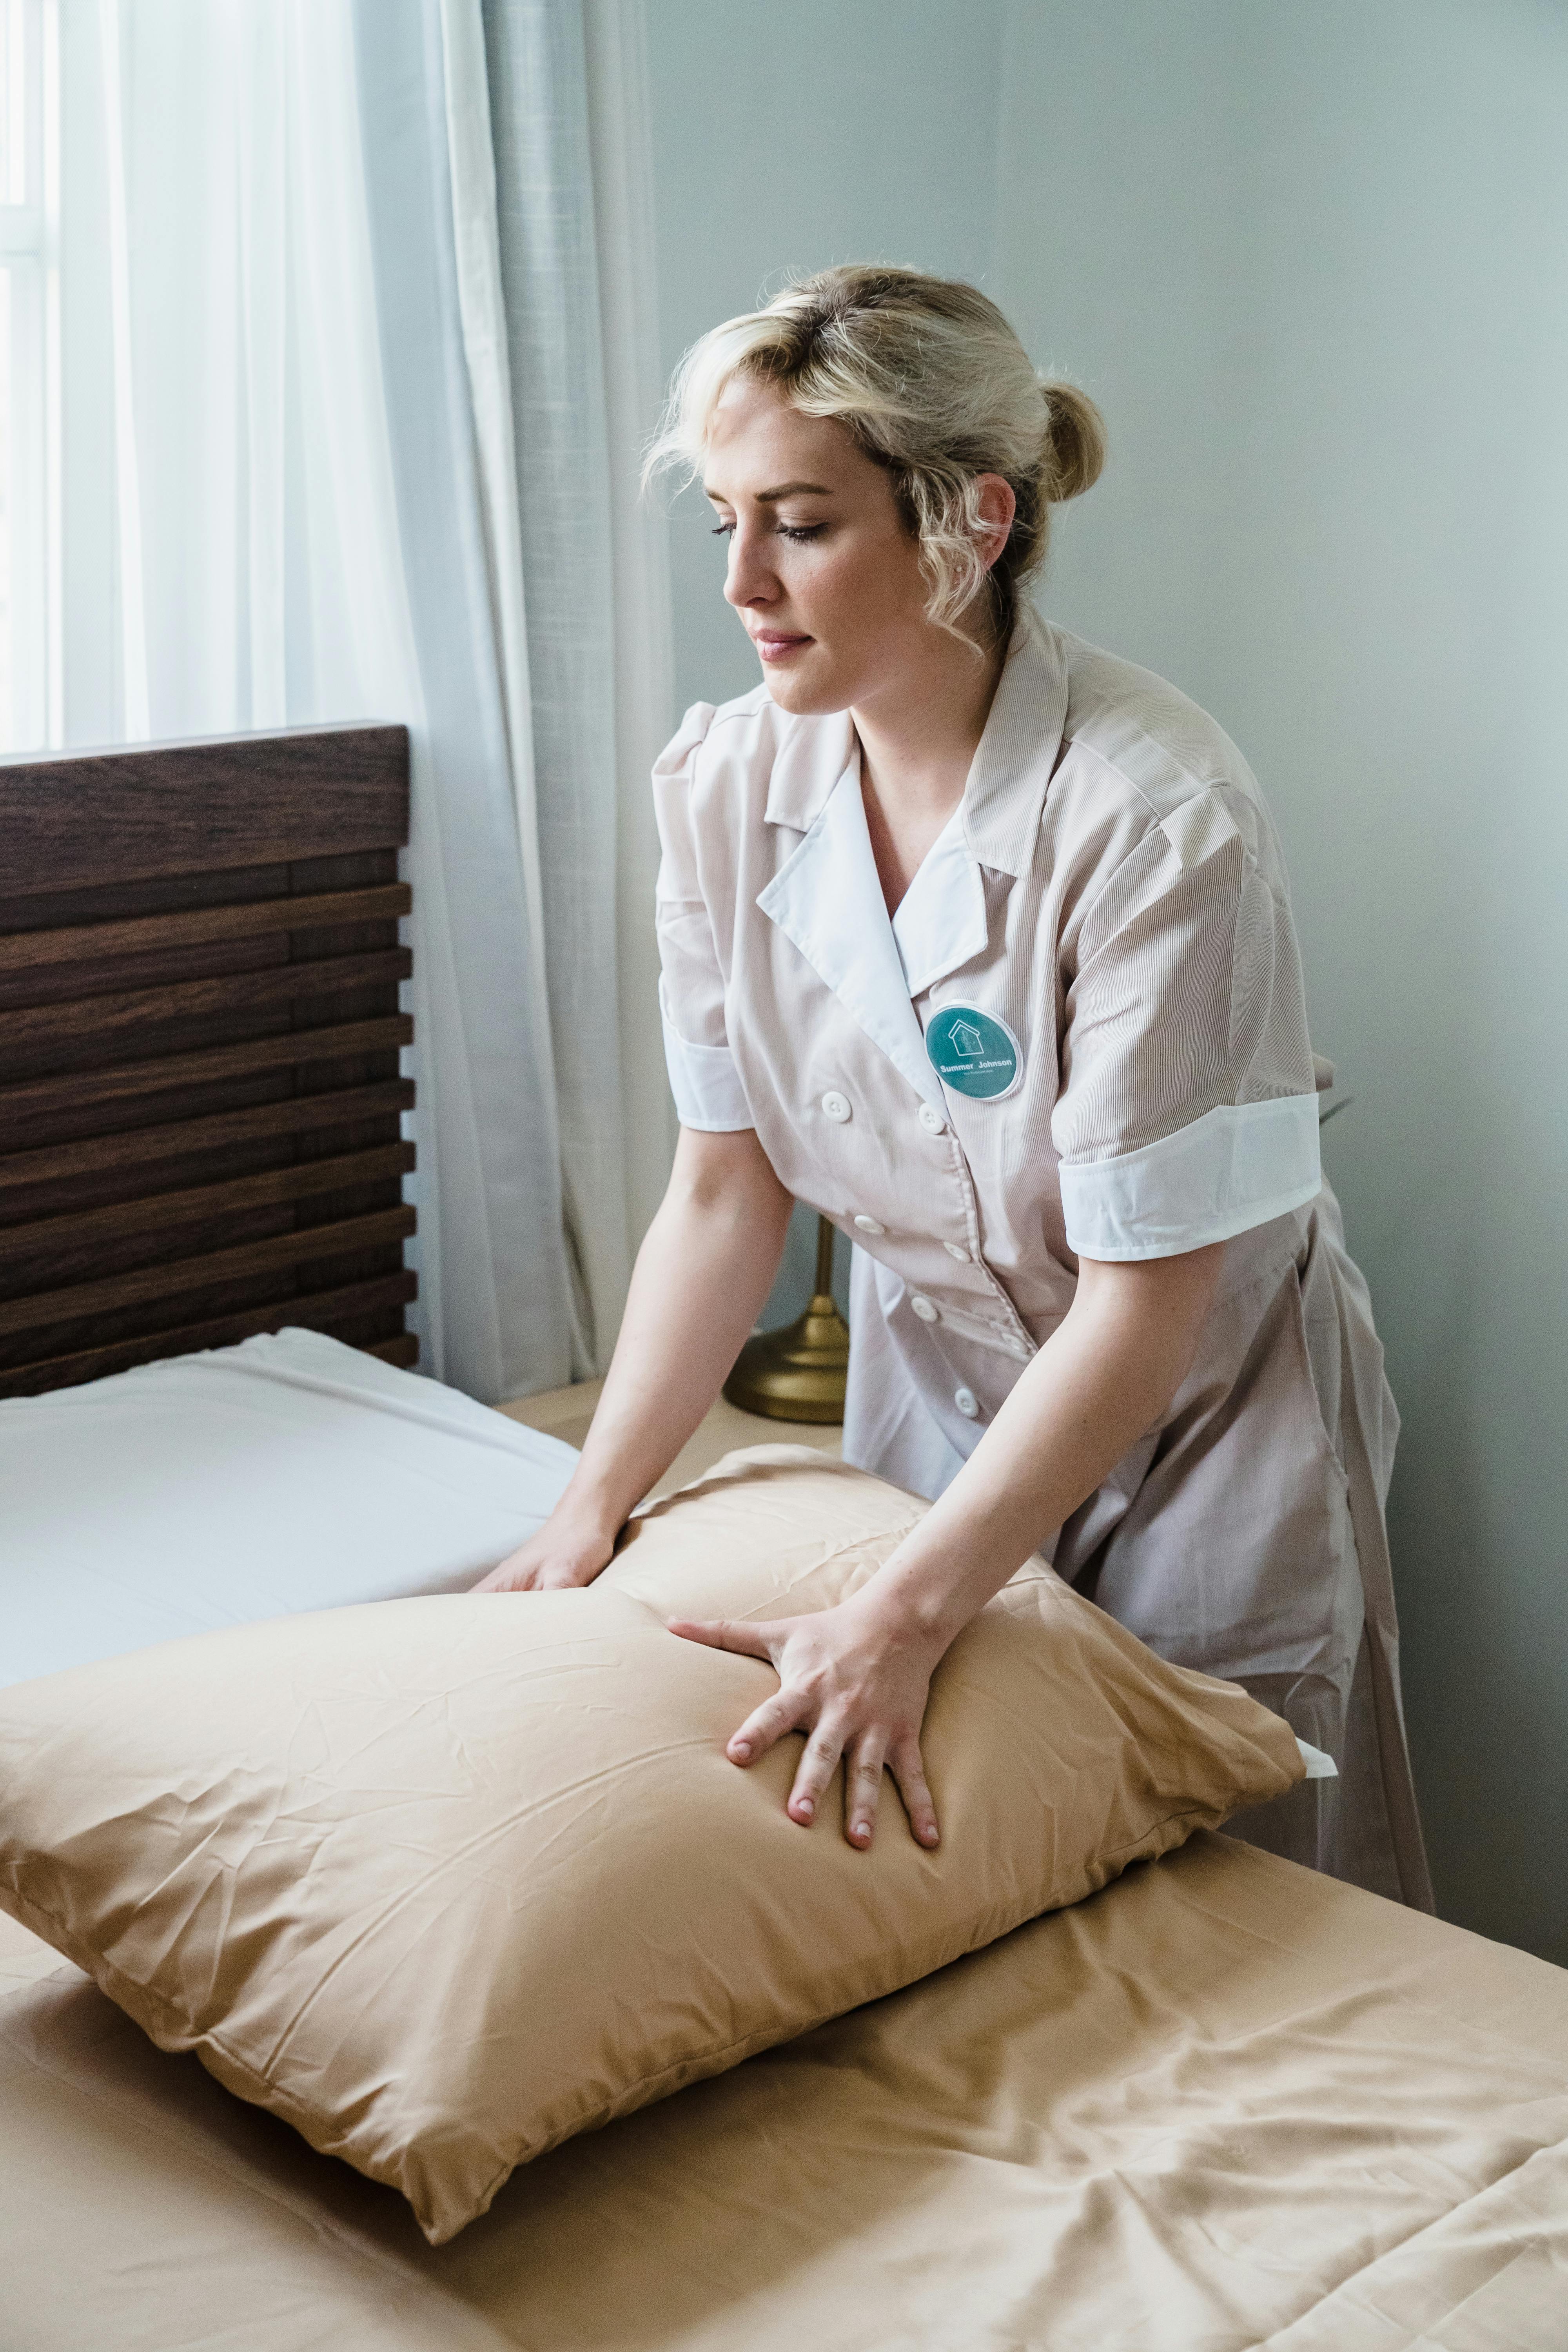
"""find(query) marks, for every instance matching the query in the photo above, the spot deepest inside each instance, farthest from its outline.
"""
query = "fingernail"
(861, 1830)
(930, 1832)
(738, 1750)
(805, 1810)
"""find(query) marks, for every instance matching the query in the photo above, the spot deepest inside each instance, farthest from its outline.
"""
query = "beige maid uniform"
(1105, 925)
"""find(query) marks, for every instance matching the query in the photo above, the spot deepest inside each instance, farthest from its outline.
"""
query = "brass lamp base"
(798, 1373)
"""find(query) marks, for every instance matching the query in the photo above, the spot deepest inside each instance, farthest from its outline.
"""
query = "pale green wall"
(1313, 261)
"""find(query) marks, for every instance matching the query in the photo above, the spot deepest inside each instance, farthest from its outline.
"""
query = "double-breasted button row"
(839, 1109)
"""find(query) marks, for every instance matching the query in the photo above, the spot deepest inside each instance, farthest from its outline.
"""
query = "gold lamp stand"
(798, 1373)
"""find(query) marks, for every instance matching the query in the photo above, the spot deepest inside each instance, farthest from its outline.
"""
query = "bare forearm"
(701, 1277)
(1105, 1376)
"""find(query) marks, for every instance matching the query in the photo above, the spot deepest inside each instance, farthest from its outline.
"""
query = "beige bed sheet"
(1225, 2103)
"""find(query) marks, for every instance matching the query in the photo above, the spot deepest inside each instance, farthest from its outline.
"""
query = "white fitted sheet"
(287, 1473)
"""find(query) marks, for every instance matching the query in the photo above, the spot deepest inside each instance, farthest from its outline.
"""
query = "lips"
(774, 645)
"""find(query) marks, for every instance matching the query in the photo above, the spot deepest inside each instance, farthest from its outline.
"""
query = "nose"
(749, 579)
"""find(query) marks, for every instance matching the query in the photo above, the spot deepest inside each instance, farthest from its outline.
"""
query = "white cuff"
(705, 1083)
(1234, 1168)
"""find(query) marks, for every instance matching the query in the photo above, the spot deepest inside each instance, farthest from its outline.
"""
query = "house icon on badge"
(966, 1041)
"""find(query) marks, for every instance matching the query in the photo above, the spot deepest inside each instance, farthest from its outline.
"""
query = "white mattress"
(287, 1473)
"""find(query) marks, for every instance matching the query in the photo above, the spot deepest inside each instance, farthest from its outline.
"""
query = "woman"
(978, 939)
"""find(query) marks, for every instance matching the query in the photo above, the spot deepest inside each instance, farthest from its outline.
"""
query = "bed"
(1223, 2103)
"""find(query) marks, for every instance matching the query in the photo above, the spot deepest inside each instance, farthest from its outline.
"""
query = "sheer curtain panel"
(572, 175)
(299, 534)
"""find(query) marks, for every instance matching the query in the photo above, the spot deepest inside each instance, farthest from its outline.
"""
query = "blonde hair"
(933, 386)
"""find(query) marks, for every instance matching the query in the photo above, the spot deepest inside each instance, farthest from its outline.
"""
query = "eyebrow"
(784, 490)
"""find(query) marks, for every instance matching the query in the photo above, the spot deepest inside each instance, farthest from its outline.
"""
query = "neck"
(917, 737)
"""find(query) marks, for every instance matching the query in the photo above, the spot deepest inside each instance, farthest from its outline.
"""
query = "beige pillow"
(443, 1881)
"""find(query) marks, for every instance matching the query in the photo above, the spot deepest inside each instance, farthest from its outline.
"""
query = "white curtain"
(315, 481)
(572, 188)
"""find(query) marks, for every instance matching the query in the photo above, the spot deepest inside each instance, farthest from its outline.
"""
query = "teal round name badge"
(973, 1052)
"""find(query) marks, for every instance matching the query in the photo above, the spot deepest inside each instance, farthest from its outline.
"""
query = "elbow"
(1155, 1310)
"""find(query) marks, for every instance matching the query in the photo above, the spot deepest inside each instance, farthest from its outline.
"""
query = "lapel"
(827, 900)
(941, 921)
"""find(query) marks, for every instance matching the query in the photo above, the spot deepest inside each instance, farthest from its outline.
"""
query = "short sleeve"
(703, 1078)
(1187, 1111)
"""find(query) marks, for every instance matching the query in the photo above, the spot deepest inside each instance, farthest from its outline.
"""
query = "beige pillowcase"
(445, 1881)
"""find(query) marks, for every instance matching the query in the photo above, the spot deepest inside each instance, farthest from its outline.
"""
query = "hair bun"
(1076, 441)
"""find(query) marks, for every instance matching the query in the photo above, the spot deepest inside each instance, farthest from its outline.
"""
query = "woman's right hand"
(567, 1551)
(702, 1274)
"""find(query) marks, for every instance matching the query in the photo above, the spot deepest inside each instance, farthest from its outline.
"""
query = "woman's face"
(822, 572)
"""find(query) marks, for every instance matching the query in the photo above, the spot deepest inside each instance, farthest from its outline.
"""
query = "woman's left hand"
(856, 1684)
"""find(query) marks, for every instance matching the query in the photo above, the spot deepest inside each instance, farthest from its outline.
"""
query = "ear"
(997, 507)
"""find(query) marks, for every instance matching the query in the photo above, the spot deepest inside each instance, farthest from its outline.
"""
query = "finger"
(817, 1766)
(725, 1633)
(547, 1577)
(505, 1577)
(863, 1787)
(904, 1763)
(766, 1726)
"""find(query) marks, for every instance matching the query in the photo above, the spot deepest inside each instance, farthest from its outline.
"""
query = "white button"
(968, 1404)
(870, 1225)
(931, 1121)
(954, 1251)
(836, 1107)
(923, 1307)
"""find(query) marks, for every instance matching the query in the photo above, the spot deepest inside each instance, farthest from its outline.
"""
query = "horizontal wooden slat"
(123, 902)
(169, 1280)
(138, 1145)
(219, 960)
(109, 1015)
(200, 926)
(168, 894)
(299, 1180)
(70, 820)
(315, 1311)
(296, 1049)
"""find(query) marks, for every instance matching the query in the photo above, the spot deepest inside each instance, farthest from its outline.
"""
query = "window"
(29, 372)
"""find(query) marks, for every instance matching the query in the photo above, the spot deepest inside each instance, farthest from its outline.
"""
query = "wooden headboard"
(200, 1129)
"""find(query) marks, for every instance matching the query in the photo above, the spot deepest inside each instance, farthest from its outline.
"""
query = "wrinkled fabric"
(1115, 894)
(1226, 2106)
(442, 1882)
